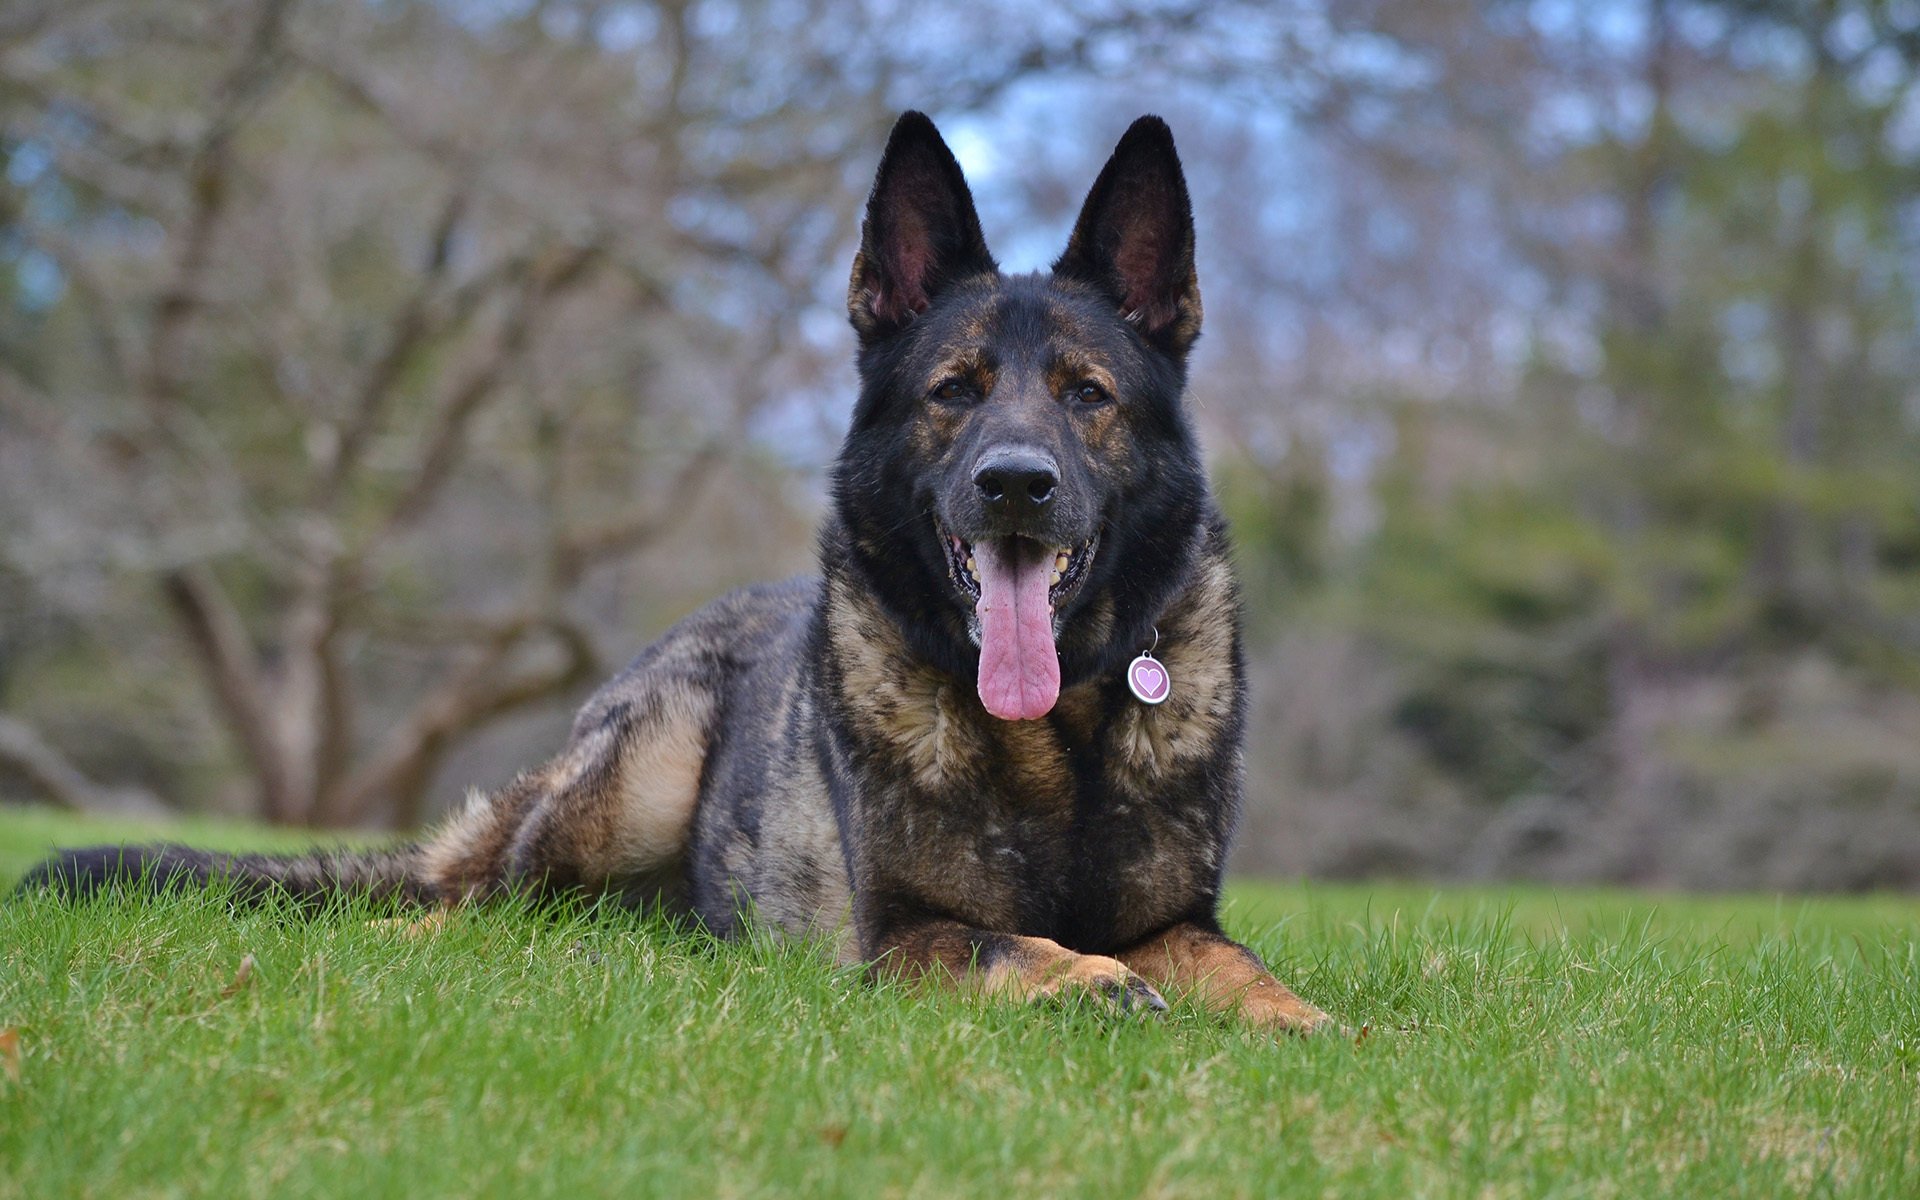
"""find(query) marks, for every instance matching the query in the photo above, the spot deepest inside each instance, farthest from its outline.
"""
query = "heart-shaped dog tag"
(1147, 679)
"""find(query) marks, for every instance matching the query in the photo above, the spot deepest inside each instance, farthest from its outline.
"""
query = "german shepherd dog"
(933, 751)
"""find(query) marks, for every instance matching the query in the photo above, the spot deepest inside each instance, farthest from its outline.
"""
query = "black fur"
(315, 877)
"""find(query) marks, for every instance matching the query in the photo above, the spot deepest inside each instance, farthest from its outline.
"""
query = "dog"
(998, 741)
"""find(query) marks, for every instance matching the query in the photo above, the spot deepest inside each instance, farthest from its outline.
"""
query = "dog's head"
(1020, 484)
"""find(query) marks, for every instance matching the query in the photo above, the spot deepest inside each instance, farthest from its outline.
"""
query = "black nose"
(1016, 481)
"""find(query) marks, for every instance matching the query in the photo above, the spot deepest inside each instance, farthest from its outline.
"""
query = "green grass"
(1519, 1042)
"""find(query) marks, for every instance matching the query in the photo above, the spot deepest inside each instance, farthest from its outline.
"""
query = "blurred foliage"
(1669, 584)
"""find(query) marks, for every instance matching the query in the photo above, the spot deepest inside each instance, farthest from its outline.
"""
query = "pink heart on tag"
(1149, 680)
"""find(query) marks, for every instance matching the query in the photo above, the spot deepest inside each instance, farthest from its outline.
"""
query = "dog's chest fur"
(1102, 822)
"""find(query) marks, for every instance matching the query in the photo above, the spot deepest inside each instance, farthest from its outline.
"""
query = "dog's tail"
(392, 874)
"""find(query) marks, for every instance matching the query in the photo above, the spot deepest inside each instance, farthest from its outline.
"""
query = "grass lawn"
(1518, 1042)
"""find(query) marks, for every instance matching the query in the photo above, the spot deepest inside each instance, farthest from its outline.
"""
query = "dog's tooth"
(973, 570)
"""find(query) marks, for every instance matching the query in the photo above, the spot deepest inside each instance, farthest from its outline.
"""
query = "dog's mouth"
(1068, 571)
(1017, 585)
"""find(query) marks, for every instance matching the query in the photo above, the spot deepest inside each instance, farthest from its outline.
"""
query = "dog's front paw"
(1282, 1011)
(1100, 980)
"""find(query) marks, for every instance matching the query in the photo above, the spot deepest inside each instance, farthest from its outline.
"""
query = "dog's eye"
(953, 391)
(1087, 392)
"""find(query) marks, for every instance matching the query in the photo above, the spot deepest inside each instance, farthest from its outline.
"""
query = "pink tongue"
(1019, 669)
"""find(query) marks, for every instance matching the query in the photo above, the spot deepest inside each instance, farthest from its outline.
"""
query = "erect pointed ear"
(920, 235)
(1134, 238)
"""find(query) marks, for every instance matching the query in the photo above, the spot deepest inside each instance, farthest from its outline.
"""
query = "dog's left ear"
(921, 232)
(1134, 238)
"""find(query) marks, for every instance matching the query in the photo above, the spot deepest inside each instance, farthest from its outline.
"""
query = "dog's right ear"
(921, 232)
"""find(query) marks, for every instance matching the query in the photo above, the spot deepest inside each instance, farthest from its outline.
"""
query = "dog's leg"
(1005, 964)
(1224, 976)
(621, 800)
(614, 807)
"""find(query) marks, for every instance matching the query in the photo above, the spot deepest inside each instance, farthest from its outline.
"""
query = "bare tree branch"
(226, 657)
(581, 551)
(445, 440)
(409, 328)
(210, 183)
(398, 774)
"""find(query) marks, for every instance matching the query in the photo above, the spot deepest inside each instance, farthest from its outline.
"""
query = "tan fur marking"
(932, 729)
(1041, 969)
(919, 711)
(657, 785)
(935, 430)
(864, 641)
(965, 363)
(1225, 977)
(942, 732)
(861, 294)
(1025, 968)
(440, 858)
(1065, 372)
(466, 855)
(1039, 761)
(1196, 644)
